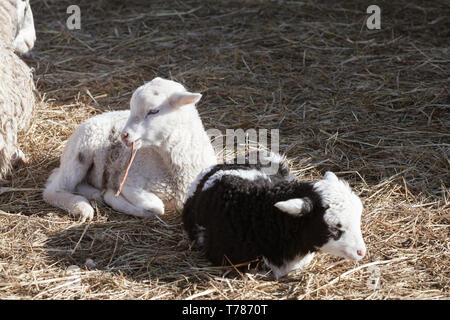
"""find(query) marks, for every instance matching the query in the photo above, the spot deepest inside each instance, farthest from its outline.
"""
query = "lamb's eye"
(155, 111)
(335, 232)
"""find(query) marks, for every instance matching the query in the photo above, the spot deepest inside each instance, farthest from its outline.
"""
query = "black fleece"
(240, 221)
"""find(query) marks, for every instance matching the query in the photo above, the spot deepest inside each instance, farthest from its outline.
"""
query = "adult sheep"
(16, 80)
(164, 126)
(238, 213)
(17, 32)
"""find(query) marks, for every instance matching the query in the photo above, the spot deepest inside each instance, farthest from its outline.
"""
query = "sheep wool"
(16, 89)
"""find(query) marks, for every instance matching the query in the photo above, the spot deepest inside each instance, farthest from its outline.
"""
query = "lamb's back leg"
(89, 192)
(62, 183)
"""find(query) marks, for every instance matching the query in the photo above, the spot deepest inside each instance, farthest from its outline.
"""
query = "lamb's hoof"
(96, 198)
(158, 210)
(83, 211)
(94, 203)
(19, 159)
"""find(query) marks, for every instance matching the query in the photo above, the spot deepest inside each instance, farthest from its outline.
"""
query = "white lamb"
(173, 147)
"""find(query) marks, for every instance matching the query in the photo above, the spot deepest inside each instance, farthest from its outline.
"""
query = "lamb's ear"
(330, 176)
(180, 99)
(295, 207)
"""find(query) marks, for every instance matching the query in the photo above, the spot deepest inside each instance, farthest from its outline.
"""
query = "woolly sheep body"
(237, 219)
(95, 159)
(16, 87)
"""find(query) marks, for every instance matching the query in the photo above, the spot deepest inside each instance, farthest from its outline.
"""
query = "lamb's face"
(343, 218)
(156, 112)
(26, 34)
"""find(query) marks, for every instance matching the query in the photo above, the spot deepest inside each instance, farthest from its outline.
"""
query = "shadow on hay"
(139, 249)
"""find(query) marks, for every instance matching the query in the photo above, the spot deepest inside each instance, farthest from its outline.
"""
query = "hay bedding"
(371, 105)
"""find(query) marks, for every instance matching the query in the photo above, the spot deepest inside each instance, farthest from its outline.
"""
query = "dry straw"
(373, 106)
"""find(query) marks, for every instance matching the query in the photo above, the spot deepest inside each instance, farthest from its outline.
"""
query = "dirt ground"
(370, 105)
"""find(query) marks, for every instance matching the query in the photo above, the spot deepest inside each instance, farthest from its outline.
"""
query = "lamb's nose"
(360, 253)
(124, 136)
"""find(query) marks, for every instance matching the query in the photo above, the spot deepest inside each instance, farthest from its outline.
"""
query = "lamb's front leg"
(303, 262)
(298, 263)
(139, 204)
(144, 199)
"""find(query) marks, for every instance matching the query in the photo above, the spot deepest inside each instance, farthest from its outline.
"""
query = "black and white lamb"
(238, 213)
